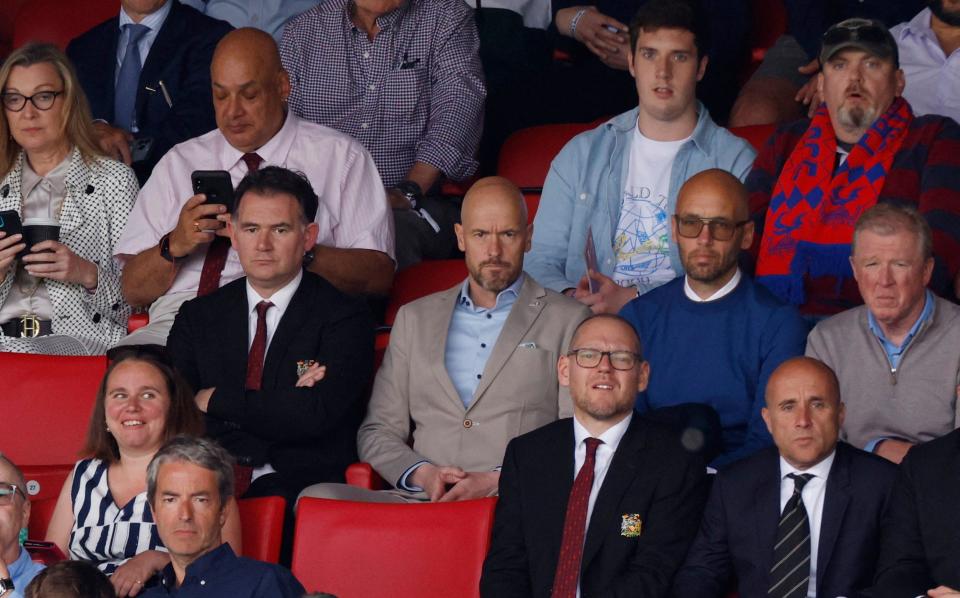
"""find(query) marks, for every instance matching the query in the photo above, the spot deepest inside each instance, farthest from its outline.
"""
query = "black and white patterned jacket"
(100, 195)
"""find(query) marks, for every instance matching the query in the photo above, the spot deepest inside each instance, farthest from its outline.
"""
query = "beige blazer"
(415, 413)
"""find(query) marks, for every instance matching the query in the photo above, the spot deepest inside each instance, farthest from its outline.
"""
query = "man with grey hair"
(189, 483)
(16, 568)
(896, 356)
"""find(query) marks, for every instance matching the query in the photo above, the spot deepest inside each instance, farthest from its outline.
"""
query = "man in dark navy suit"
(146, 74)
(799, 519)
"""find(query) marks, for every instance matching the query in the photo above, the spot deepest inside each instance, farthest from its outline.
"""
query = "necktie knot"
(799, 481)
(592, 444)
(136, 32)
(252, 160)
(262, 308)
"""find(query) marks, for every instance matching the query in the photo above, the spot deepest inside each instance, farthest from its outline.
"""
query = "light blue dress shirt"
(267, 15)
(933, 78)
(154, 21)
(895, 352)
(473, 333)
(22, 571)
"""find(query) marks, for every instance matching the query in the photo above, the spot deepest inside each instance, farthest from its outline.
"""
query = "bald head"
(493, 189)
(720, 187)
(250, 88)
(808, 368)
(494, 235)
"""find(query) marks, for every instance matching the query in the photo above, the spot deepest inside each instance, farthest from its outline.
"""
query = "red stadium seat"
(357, 549)
(50, 398)
(137, 320)
(59, 21)
(526, 156)
(421, 280)
(769, 23)
(261, 524)
(756, 135)
(8, 13)
(362, 475)
(45, 481)
(41, 511)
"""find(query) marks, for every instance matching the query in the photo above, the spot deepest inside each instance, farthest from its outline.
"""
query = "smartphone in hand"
(216, 185)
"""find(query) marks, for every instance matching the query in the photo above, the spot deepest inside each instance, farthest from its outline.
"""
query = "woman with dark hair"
(61, 294)
(70, 579)
(102, 514)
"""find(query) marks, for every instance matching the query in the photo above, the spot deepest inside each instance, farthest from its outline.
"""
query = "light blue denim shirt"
(267, 15)
(584, 188)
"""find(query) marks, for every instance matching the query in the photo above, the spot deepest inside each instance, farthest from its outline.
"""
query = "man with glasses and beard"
(718, 333)
(468, 368)
(928, 45)
(863, 146)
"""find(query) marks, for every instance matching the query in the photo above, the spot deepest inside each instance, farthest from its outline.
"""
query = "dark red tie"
(575, 527)
(258, 348)
(216, 257)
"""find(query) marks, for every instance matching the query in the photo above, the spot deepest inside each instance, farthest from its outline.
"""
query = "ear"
(25, 514)
(232, 231)
(283, 81)
(747, 241)
(674, 234)
(853, 266)
(563, 370)
(927, 271)
(458, 230)
(644, 378)
(630, 61)
(842, 414)
(820, 83)
(901, 82)
(529, 244)
(310, 236)
(765, 414)
(702, 69)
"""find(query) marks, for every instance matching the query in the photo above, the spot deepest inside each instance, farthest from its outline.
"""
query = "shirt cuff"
(402, 483)
(871, 447)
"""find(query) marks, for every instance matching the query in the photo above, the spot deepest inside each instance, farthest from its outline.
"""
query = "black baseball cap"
(869, 35)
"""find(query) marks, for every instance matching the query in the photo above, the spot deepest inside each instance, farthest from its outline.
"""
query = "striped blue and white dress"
(104, 533)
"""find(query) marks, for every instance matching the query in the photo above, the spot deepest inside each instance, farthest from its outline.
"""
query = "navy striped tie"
(128, 80)
(790, 574)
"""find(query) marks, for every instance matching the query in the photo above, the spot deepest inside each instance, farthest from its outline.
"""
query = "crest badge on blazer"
(630, 525)
(303, 365)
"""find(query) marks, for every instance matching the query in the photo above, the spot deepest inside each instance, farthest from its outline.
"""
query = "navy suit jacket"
(650, 476)
(180, 57)
(921, 533)
(308, 435)
(739, 527)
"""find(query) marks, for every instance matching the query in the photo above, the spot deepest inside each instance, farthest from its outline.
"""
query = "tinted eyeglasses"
(863, 30)
(590, 358)
(721, 229)
(8, 492)
(42, 100)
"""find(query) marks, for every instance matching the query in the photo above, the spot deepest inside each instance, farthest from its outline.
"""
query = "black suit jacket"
(921, 532)
(180, 57)
(307, 434)
(650, 476)
(739, 527)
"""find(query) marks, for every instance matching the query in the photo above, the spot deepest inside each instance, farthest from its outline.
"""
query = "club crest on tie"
(303, 365)
(630, 525)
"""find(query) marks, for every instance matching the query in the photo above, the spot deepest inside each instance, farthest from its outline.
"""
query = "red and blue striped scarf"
(810, 221)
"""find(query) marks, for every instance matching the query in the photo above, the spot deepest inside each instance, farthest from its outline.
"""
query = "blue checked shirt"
(413, 94)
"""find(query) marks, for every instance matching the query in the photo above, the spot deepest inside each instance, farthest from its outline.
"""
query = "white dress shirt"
(812, 495)
(353, 210)
(933, 78)
(719, 294)
(605, 451)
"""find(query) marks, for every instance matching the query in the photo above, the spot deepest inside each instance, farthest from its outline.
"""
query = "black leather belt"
(27, 327)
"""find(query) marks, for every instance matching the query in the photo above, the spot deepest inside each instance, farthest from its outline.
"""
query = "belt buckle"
(29, 326)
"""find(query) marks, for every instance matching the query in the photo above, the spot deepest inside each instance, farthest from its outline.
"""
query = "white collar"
(719, 294)
(820, 470)
(611, 438)
(280, 299)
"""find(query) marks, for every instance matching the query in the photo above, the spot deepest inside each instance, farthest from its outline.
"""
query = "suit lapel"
(290, 324)
(627, 464)
(233, 336)
(525, 312)
(104, 79)
(438, 328)
(556, 480)
(835, 503)
(767, 509)
(164, 46)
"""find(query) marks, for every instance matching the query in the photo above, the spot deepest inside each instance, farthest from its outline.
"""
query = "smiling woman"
(103, 514)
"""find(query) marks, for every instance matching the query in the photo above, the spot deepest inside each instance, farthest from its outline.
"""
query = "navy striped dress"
(104, 533)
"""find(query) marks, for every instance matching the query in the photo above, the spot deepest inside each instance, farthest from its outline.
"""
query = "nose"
(664, 67)
(232, 106)
(185, 510)
(705, 237)
(803, 417)
(885, 276)
(133, 403)
(494, 245)
(264, 241)
(605, 365)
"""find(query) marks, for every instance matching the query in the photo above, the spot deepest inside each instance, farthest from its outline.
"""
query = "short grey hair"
(19, 480)
(889, 218)
(202, 452)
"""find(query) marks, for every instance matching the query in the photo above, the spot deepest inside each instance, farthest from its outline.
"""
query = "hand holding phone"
(10, 225)
(216, 185)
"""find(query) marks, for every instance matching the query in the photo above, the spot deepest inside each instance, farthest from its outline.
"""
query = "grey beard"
(857, 118)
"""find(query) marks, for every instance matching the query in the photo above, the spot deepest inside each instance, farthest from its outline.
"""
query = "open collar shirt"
(933, 78)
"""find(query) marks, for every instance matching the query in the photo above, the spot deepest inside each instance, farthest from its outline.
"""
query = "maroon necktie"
(258, 349)
(575, 527)
(216, 257)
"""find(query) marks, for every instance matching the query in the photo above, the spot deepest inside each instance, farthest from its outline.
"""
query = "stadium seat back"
(756, 135)
(261, 523)
(41, 511)
(50, 397)
(421, 280)
(59, 21)
(356, 549)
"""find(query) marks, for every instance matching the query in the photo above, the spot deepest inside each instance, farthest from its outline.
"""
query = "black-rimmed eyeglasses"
(721, 229)
(590, 358)
(42, 100)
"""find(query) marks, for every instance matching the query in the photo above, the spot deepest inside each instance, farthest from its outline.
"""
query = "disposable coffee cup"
(37, 230)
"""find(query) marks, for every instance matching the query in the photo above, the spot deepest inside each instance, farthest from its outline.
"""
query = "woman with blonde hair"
(61, 294)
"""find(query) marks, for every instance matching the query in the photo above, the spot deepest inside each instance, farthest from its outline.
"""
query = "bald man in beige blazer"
(424, 433)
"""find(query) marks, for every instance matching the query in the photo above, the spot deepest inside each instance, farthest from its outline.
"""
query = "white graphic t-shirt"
(642, 240)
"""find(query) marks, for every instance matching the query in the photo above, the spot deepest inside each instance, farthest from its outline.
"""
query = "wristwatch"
(6, 585)
(165, 250)
(411, 191)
